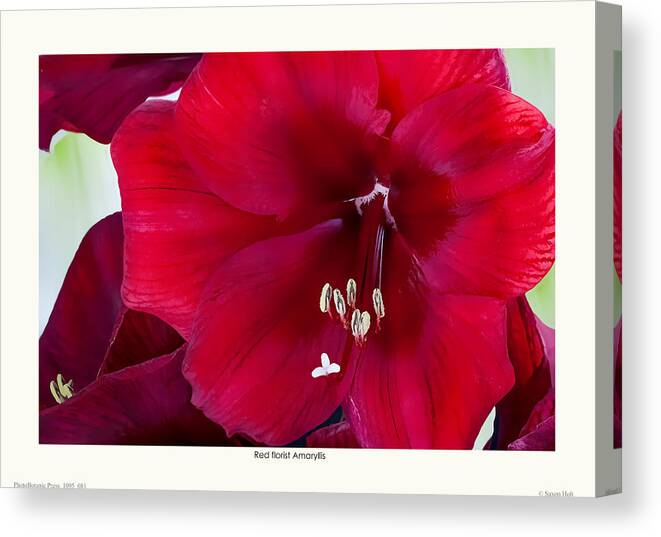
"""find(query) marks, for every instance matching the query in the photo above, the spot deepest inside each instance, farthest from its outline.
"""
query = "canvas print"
(341, 249)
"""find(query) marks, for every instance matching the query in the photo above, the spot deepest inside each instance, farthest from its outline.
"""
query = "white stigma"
(326, 368)
(324, 300)
(351, 292)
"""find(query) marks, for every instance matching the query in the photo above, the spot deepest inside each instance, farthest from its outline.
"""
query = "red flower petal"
(260, 333)
(548, 338)
(531, 368)
(93, 93)
(473, 191)
(524, 342)
(538, 434)
(337, 435)
(617, 195)
(137, 338)
(410, 77)
(87, 309)
(176, 230)
(274, 132)
(90, 332)
(542, 438)
(433, 373)
(543, 410)
(146, 404)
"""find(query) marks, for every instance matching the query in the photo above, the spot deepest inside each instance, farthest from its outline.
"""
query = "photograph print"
(340, 249)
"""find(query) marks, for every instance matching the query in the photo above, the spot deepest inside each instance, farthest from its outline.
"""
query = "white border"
(569, 27)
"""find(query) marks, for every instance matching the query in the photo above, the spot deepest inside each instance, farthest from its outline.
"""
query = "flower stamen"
(60, 390)
(365, 321)
(360, 324)
(340, 304)
(324, 300)
(379, 307)
(355, 324)
(351, 293)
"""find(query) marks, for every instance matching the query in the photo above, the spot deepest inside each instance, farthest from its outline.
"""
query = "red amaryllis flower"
(109, 375)
(340, 228)
(93, 93)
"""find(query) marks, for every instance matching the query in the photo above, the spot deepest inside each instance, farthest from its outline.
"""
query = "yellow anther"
(324, 300)
(53, 390)
(351, 292)
(60, 390)
(64, 387)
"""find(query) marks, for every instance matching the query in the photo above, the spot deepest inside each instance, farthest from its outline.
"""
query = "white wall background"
(636, 512)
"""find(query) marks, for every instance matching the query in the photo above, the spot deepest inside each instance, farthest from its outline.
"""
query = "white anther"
(365, 320)
(377, 301)
(356, 326)
(326, 368)
(351, 292)
(340, 304)
(324, 300)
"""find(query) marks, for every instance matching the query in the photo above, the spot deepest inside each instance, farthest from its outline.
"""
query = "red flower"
(403, 194)
(109, 375)
(93, 93)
